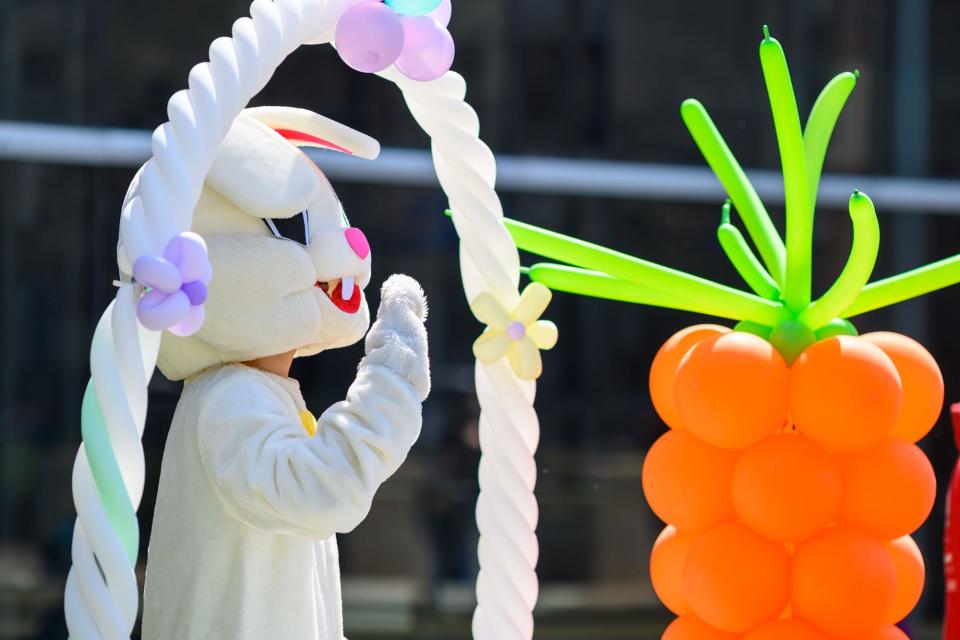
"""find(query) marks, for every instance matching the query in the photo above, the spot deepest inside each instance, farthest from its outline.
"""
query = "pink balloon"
(442, 13)
(191, 322)
(189, 252)
(157, 273)
(428, 49)
(369, 36)
(157, 310)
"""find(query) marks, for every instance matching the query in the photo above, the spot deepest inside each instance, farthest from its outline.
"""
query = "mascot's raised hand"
(253, 488)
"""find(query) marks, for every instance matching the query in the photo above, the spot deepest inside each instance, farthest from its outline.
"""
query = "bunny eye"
(296, 228)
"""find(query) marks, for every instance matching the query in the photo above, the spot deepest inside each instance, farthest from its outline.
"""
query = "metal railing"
(75, 145)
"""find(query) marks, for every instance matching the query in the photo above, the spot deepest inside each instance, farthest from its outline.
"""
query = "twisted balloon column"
(509, 430)
(101, 598)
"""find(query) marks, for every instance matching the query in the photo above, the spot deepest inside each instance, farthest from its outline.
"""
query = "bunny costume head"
(288, 269)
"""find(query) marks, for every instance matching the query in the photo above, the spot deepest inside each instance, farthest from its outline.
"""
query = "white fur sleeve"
(271, 477)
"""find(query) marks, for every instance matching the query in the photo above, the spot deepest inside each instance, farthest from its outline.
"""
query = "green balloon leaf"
(743, 259)
(786, 122)
(718, 155)
(780, 307)
(856, 273)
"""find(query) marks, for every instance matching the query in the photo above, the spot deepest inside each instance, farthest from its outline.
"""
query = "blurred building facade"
(580, 78)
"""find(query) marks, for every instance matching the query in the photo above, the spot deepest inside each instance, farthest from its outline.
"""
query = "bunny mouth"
(346, 298)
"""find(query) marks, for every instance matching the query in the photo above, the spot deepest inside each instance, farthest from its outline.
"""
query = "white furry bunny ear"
(260, 169)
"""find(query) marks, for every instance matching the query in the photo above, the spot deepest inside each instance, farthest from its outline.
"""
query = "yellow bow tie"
(309, 422)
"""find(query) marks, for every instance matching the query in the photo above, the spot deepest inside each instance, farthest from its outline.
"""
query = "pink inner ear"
(300, 136)
(357, 241)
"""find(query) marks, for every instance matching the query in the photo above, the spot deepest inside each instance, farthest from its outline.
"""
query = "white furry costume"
(243, 542)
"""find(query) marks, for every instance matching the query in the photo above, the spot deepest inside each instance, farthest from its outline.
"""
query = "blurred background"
(580, 101)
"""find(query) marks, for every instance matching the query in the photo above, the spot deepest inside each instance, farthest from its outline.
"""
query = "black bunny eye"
(296, 228)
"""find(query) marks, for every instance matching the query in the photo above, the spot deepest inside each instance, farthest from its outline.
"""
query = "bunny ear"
(260, 172)
(304, 128)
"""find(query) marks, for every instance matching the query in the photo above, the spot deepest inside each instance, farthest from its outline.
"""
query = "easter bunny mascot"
(252, 487)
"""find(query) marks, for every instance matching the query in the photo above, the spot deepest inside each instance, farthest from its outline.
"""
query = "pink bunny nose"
(357, 241)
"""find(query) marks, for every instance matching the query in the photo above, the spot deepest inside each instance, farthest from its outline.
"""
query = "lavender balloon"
(157, 273)
(369, 36)
(428, 49)
(189, 252)
(158, 310)
(196, 291)
(178, 285)
(442, 13)
(191, 322)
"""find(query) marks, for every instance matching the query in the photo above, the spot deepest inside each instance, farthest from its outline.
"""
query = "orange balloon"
(690, 628)
(734, 579)
(843, 582)
(786, 630)
(663, 371)
(889, 489)
(731, 390)
(666, 568)
(883, 633)
(845, 393)
(921, 380)
(687, 482)
(787, 487)
(910, 577)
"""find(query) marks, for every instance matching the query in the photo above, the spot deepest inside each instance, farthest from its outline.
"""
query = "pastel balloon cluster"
(790, 492)
(176, 285)
(372, 35)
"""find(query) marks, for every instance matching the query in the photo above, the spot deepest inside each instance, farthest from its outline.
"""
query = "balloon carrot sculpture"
(789, 477)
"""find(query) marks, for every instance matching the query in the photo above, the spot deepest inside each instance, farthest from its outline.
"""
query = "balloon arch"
(101, 598)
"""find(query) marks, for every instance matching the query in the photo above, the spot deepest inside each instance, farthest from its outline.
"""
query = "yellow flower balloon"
(518, 334)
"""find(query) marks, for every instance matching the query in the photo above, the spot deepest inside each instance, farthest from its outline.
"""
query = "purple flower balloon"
(369, 36)
(428, 49)
(196, 291)
(442, 13)
(189, 252)
(157, 273)
(191, 322)
(178, 285)
(158, 310)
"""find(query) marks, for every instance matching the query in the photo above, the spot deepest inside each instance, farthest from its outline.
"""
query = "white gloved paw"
(398, 339)
(401, 291)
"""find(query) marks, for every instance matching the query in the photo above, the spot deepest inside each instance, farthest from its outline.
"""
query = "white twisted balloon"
(101, 595)
(509, 431)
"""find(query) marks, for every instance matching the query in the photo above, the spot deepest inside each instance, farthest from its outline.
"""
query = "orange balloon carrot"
(789, 478)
